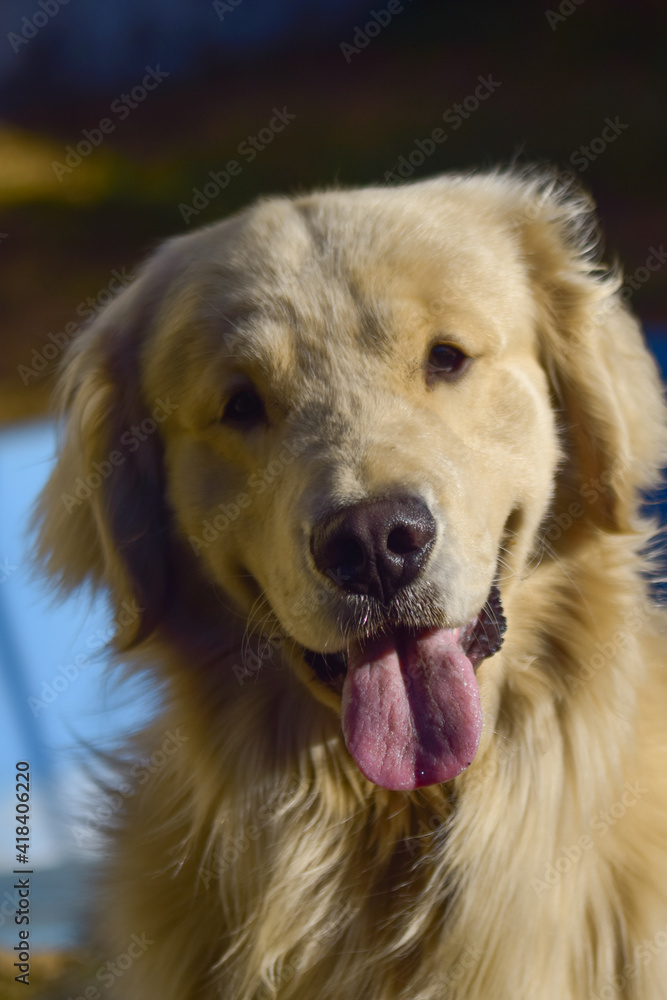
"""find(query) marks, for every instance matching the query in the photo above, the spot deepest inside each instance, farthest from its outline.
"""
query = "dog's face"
(363, 444)
(342, 396)
(364, 433)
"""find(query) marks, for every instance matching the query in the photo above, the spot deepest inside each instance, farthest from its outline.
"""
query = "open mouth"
(479, 639)
(411, 712)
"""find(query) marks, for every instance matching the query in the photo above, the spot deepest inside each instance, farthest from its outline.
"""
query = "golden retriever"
(364, 472)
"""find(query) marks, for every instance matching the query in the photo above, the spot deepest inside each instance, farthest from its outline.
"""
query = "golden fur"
(258, 861)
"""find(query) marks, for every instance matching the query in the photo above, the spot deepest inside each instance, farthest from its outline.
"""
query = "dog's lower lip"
(479, 639)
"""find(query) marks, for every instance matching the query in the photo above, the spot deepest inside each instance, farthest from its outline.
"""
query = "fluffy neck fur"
(277, 866)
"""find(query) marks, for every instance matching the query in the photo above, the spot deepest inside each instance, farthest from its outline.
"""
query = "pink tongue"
(411, 709)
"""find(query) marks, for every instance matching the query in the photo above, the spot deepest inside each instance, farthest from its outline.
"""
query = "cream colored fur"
(258, 860)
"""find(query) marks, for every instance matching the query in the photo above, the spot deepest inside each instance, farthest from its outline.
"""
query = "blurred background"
(123, 123)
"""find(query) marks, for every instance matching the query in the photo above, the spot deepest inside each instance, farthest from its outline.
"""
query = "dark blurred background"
(580, 84)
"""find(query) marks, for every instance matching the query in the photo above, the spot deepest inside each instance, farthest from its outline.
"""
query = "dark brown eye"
(447, 360)
(244, 407)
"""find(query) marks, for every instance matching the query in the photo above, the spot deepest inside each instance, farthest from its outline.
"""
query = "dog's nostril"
(401, 541)
(350, 554)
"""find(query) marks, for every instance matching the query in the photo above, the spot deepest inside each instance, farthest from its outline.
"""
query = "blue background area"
(48, 716)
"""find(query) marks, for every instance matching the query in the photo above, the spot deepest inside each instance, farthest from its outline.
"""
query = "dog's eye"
(244, 407)
(447, 360)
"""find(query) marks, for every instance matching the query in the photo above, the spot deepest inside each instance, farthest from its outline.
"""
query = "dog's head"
(358, 416)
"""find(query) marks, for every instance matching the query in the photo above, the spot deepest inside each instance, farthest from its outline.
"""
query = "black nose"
(374, 547)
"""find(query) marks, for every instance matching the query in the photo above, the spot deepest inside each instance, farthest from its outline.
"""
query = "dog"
(366, 471)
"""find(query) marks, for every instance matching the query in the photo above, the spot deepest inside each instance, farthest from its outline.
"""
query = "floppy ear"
(103, 515)
(605, 383)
